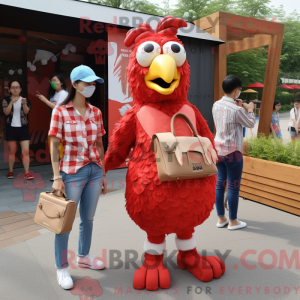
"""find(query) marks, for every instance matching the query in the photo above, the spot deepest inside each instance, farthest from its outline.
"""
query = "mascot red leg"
(204, 268)
(153, 274)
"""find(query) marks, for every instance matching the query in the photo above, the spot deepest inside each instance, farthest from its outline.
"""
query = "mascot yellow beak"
(163, 75)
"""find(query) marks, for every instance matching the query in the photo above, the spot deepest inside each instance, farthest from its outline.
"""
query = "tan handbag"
(183, 157)
(55, 213)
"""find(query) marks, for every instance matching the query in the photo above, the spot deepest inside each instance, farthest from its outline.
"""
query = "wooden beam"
(208, 21)
(10, 41)
(249, 43)
(10, 31)
(56, 37)
(270, 81)
(231, 36)
(40, 45)
(220, 67)
(236, 24)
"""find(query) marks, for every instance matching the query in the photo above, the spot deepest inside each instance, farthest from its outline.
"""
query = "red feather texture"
(158, 207)
(121, 141)
(135, 74)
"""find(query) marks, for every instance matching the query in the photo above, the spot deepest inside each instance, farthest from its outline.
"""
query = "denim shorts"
(292, 133)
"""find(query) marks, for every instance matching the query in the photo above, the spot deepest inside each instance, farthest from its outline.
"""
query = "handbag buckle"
(40, 205)
(58, 214)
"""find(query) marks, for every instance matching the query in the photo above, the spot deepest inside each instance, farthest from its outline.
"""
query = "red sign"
(119, 95)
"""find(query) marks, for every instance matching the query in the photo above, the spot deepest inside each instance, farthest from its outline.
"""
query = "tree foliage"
(253, 8)
(134, 5)
(249, 65)
(193, 7)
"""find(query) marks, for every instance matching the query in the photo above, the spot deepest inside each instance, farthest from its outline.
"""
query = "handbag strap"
(64, 195)
(190, 123)
(187, 119)
(58, 213)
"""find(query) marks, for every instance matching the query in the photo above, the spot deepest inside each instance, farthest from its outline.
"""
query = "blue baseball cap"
(84, 73)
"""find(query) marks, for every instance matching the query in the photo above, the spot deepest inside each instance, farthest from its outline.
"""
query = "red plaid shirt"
(78, 135)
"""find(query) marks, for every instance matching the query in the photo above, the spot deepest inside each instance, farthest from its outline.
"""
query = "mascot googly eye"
(175, 50)
(146, 52)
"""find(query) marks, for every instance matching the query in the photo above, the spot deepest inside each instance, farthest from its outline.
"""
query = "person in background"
(16, 109)
(81, 171)
(294, 123)
(230, 114)
(57, 93)
(275, 126)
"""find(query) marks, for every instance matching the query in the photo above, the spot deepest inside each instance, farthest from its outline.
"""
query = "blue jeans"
(84, 186)
(230, 169)
(292, 133)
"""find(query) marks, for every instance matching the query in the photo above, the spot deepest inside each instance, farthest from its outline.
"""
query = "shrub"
(273, 149)
(286, 107)
(285, 98)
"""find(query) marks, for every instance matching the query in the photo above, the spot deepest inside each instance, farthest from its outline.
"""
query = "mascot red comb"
(158, 75)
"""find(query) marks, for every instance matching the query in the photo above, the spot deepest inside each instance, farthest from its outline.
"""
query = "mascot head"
(157, 69)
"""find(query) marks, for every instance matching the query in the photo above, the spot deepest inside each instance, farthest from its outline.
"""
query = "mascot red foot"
(158, 75)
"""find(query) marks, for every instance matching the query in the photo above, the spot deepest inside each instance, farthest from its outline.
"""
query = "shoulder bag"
(183, 157)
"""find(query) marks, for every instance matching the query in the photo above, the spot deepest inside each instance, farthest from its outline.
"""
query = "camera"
(246, 101)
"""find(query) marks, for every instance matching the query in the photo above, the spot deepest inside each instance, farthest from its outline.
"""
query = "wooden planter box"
(271, 183)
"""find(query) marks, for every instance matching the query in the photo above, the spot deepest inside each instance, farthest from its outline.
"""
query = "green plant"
(273, 149)
(285, 97)
(285, 107)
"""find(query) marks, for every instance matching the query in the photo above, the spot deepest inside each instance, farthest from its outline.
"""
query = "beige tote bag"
(183, 157)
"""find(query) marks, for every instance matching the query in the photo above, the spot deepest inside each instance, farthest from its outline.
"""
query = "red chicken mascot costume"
(158, 75)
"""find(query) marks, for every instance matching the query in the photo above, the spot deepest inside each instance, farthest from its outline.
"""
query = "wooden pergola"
(240, 34)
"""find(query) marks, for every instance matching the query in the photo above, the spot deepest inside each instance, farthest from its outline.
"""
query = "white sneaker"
(64, 279)
(220, 225)
(91, 262)
(241, 225)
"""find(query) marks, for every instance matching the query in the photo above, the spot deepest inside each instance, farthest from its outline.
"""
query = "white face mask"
(88, 91)
(238, 95)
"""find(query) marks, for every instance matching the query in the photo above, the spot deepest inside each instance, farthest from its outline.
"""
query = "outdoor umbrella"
(249, 91)
(256, 85)
(287, 87)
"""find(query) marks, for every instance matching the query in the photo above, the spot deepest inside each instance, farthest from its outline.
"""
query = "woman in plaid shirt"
(81, 172)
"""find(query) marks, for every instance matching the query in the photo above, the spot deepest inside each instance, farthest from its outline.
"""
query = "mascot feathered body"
(158, 75)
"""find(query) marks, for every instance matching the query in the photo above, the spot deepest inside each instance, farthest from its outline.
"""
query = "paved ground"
(27, 267)
(19, 199)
